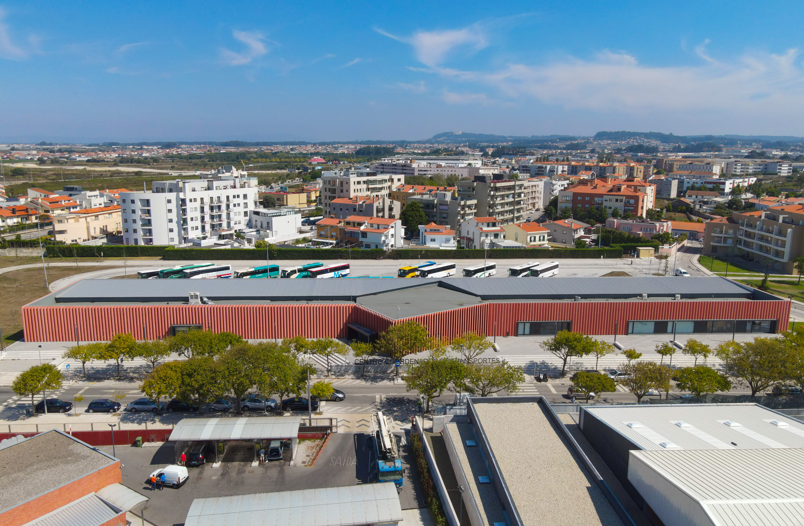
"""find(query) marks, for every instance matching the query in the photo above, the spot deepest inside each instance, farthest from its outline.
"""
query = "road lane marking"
(551, 389)
(82, 390)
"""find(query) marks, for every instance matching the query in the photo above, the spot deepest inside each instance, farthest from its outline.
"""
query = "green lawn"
(719, 266)
(780, 288)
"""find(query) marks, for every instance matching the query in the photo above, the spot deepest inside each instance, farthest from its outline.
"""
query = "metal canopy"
(251, 428)
(122, 497)
(344, 506)
(86, 511)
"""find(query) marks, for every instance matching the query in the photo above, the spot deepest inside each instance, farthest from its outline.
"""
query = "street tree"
(701, 380)
(202, 343)
(588, 383)
(666, 349)
(758, 364)
(164, 381)
(362, 351)
(600, 349)
(433, 376)
(287, 375)
(643, 377)
(485, 380)
(83, 353)
(697, 349)
(121, 346)
(322, 390)
(328, 348)
(568, 344)
(200, 381)
(240, 370)
(631, 355)
(403, 339)
(794, 340)
(297, 345)
(153, 351)
(37, 379)
(413, 216)
(470, 345)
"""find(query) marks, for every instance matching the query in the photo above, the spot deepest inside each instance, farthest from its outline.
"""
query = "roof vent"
(634, 425)
(682, 425)
(644, 296)
(731, 423)
(577, 298)
(779, 423)
(669, 445)
(678, 297)
(195, 298)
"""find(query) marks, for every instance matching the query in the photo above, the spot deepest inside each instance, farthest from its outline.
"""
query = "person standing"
(161, 481)
(183, 459)
(153, 482)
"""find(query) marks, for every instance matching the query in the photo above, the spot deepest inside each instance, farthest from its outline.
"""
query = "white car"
(175, 476)
(143, 404)
(683, 273)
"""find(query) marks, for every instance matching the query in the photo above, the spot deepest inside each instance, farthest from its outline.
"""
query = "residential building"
(496, 196)
(461, 166)
(87, 224)
(639, 227)
(175, 212)
(531, 235)
(38, 193)
(446, 208)
(695, 166)
(403, 192)
(54, 205)
(437, 236)
(85, 198)
(720, 237)
(113, 196)
(666, 187)
(287, 199)
(17, 215)
(628, 197)
(700, 198)
(555, 186)
(774, 237)
(566, 231)
(544, 169)
(744, 167)
(353, 183)
(724, 186)
(328, 229)
(373, 232)
(534, 191)
(694, 231)
(275, 225)
(361, 205)
(480, 232)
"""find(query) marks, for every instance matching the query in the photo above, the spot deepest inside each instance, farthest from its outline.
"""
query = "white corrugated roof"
(344, 506)
(122, 497)
(86, 511)
(742, 487)
(703, 426)
(252, 428)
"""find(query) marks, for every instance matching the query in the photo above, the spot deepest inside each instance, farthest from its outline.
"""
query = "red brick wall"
(123, 437)
(62, 496)
(120, 520)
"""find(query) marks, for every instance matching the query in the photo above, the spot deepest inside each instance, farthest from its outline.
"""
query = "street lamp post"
(309, 401)
(41, 254)
(114, 454)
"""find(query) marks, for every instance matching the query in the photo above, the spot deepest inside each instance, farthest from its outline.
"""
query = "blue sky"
(113, 71)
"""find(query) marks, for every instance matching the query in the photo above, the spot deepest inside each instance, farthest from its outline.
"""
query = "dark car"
(177, 406)
(54, 406)
(102, 405)
(336, 396)
(298, 404)
(199, 453)
(785, 390)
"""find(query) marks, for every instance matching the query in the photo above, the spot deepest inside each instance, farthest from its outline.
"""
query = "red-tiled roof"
(563, 223)
(97, 210)
(687, 225)
(330, 221)
(531, 227)
(485, 219)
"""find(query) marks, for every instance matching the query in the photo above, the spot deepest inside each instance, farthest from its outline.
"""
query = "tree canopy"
(413, 216)
(433, 376)
(568, 344)
(701, 380)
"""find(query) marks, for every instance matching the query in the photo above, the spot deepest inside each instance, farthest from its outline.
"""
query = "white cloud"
(255, 48)
(326, 56)
(415, 87)
(433, 47)
(465, 98)
(129, 47)
(7, 48)
(700, 50)
(351, 63)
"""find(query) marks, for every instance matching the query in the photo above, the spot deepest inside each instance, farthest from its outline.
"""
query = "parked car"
(199, 453)
(336, 396)
(784, 390)
(220, 405)
(53, 406)
(252, 403)
(299, 404)
(275, 449)
(683, 273)
(653, 392)
(621, 376)
(102, 405)
(580, 393)
(175, 476)
(177, 406)
(143, 404)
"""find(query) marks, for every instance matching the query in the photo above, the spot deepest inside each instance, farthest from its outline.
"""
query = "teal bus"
(178, 272)
(300, 272)
(268, 271)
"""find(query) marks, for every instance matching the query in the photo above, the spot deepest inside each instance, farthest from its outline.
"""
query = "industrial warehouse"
(93, 310)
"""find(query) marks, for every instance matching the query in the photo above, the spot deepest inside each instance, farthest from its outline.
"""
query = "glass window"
(642, 327)
(685, 327)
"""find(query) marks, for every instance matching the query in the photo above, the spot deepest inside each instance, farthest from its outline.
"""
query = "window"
(526, 328)
(701, 326)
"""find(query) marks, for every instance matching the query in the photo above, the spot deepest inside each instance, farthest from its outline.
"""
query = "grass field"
(21, 287)
(780, 287)
(719, 266)
(89, 181)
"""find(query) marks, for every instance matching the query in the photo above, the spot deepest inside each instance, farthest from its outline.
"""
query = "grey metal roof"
(702, 426)
(343, 506)
(86, 511)
(252, 428)
(262, 290)
(739, 486)
(121, 496)
(408, 302)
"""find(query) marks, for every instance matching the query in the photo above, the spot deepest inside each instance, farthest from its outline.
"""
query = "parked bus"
(177, 272)
(150, 274)
(480, 271)
(545, 270)
(216, 271)
(269, 271)
(441, 270)
(332, 271)
(522, 271)
(300, 271)
(413, 272)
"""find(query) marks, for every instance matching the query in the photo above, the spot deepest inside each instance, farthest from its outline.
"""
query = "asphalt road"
(27, 234)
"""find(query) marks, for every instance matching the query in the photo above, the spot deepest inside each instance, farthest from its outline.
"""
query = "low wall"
(16, 252)
(104, 438)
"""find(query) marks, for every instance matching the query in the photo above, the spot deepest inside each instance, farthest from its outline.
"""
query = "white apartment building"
(481, 232)
(275, 225)
(693, 166)
(175, 212)
(741, 167)
(437, 236)
(380, 232)
(724, 186)
(362, 182)
(547, 169)
(534, 193)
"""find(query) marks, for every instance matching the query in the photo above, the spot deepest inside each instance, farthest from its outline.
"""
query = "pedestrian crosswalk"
(321, 361)
(527, 388)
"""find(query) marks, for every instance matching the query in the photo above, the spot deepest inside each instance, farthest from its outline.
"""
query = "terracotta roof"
(531, 227)
(485, 219)
(687, 225)
(563, 223)
(358, 219)
(330, 221)
(376, 230)
(796, 208)
(97, 210)
(39, 190)
(55, 199)
(719, 219)
(356, 200)
(442, 233)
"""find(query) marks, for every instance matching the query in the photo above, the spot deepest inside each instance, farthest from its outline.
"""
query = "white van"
(683, 273)
(175, 476)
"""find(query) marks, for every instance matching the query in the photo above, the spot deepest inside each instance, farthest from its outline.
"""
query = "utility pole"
(309, 401)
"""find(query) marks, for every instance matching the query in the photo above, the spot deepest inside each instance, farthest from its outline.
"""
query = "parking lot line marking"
(82, 390)
(551, 389)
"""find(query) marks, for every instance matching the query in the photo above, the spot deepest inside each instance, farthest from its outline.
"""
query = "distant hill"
(722, 140)
(467, 137)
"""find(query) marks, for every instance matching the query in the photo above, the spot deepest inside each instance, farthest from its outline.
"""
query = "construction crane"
(386, 451)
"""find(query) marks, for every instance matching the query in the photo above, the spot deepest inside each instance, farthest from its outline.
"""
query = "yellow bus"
(413, 272)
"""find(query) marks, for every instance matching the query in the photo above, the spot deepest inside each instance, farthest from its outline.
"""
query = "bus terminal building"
(97, 310)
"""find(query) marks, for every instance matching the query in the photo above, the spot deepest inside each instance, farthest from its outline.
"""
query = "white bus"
(300, 271)
(480, 271)
(545, 270)
(441, 270)
(332, 271)
(522, 271)
(217, 271)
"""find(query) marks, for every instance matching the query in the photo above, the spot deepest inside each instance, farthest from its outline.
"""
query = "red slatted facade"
(97, 323)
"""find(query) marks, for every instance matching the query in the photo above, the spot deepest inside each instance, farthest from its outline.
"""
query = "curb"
(311, 464)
